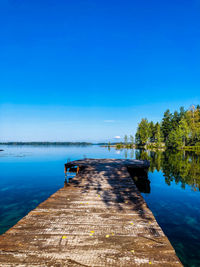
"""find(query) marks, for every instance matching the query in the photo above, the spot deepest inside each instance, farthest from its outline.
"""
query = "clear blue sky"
(90, 70)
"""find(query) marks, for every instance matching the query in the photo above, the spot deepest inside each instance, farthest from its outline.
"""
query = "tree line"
(179, 129)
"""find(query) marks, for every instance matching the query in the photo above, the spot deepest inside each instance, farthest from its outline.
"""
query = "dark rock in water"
(1, 150)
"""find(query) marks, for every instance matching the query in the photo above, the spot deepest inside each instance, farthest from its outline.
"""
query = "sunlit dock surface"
(98, 219)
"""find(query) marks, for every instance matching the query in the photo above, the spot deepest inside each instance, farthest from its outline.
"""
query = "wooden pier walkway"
(100, 219)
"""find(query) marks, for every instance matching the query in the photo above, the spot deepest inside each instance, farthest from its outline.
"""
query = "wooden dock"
(99, 219)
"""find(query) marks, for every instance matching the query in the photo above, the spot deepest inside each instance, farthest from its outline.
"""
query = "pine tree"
(166, 124)
(181, 113)
(175, 120)
(151, 131)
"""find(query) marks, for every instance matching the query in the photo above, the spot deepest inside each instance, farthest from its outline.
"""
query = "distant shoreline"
(46, 143)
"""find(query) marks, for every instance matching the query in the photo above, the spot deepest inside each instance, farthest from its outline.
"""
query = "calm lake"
(30, 174)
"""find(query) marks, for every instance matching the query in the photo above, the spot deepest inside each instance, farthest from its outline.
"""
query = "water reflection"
(182, 167)
(141, 179)
(174, 198)
(177, 211)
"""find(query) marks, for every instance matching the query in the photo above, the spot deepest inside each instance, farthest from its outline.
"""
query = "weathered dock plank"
(100, 219)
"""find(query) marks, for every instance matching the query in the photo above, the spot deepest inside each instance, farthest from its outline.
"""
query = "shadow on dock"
(98, 219)
(121, 189)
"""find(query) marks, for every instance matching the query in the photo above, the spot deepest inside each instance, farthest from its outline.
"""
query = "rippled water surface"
(30, 174)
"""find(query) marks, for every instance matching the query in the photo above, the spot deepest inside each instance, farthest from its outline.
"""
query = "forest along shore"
(179, 130)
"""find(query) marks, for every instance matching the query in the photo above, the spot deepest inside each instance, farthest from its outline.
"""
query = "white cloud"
(117, 137)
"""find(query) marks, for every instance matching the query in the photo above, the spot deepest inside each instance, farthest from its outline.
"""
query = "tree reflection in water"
(181, 167)
(176, 208)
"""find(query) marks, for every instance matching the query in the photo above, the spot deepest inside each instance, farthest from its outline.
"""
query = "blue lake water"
(30, 174)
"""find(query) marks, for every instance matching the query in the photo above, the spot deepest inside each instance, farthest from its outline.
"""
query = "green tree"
(125, 139)
(175, 120)
(142, 135)
(175, 139)
(132, 139)
(166, 124)
(158, 137)
(182, 113)
(193, 119)
(176, 130)
(151, 132)
(184, 128)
